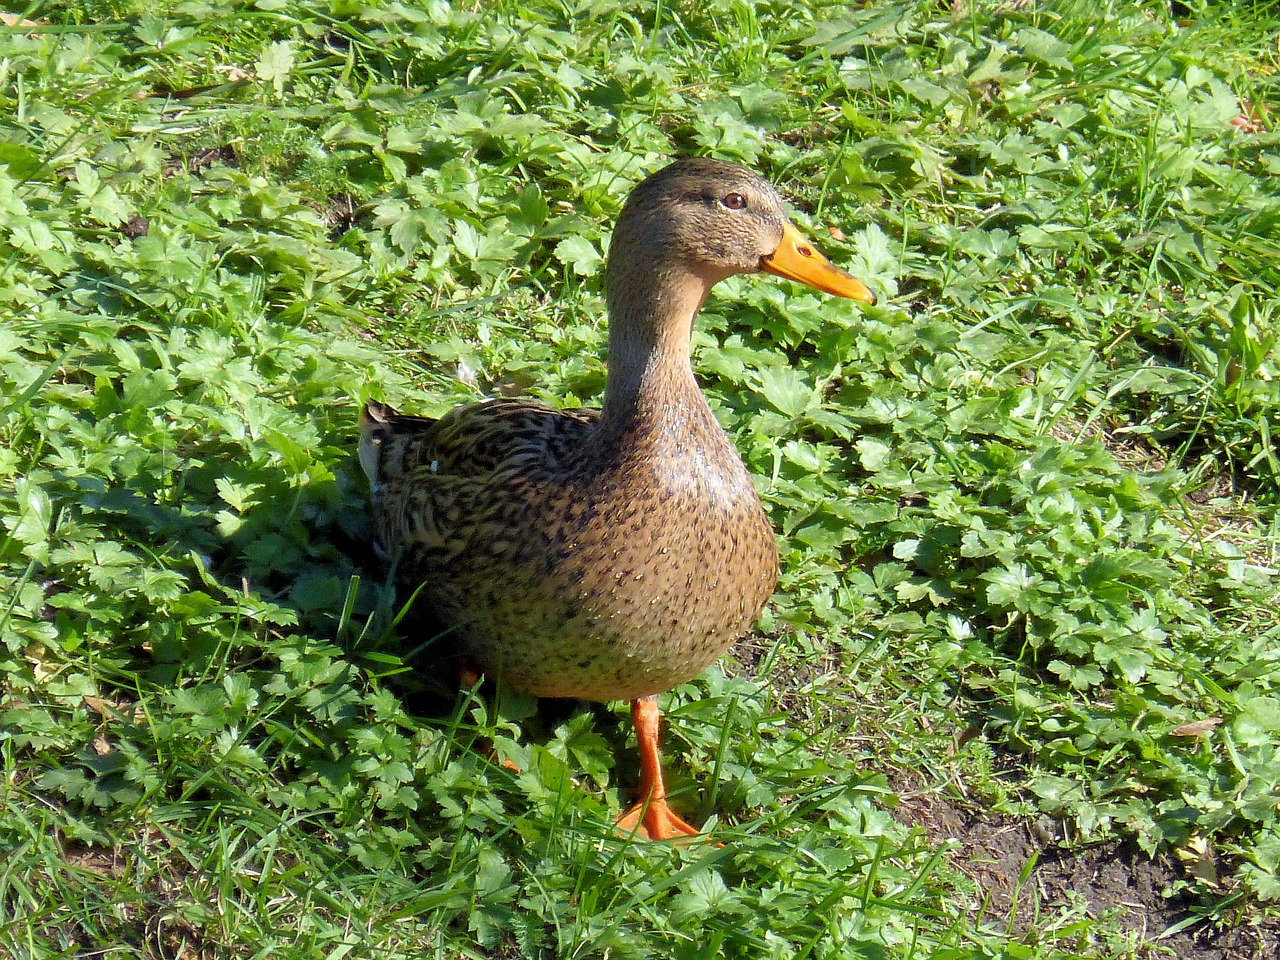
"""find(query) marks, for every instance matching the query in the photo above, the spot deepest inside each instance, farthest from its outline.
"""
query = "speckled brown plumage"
(605, 555)
(611, 568)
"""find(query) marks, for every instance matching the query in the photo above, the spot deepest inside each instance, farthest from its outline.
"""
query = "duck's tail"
(390, 442)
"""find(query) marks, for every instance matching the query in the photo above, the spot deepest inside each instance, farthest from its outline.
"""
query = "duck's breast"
(644, 568)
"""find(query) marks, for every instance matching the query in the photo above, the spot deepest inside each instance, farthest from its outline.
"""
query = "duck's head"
(708, 219)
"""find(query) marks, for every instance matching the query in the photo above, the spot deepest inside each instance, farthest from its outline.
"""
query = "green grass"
(1026, 505)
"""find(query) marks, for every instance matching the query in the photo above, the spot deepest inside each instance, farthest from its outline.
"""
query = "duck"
(605, 554)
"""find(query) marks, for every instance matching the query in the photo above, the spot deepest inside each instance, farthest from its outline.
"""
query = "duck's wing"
(469, 441)
(440, 488)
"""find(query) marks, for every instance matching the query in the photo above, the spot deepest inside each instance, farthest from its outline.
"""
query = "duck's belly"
(615, 606)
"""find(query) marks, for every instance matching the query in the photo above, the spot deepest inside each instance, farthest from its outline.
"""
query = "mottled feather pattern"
(482, 438)
(562, 583)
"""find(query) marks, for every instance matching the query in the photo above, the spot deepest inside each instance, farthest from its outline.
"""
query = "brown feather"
(605, 555)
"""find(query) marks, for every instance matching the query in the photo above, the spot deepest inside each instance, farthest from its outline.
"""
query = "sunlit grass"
(1026, 505)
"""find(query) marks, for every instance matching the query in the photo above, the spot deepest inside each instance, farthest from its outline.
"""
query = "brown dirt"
(150, 922)
(1112, 879)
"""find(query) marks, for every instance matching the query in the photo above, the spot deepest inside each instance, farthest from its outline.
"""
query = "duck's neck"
(650, 378)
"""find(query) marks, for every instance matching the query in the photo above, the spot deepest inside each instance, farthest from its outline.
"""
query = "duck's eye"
(734, 201)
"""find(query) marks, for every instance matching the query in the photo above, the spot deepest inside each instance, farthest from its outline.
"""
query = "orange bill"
(797, 259)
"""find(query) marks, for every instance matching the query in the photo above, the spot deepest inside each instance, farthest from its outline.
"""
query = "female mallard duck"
(612, 554)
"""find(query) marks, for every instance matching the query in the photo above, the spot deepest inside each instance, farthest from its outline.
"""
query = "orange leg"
(651, 817)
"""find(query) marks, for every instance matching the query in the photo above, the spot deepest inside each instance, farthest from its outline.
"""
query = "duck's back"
(571, 561)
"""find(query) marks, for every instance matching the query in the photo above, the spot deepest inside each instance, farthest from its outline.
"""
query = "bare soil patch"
(1113, 879)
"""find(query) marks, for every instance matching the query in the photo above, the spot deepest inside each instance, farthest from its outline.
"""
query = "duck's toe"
(654, 820)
